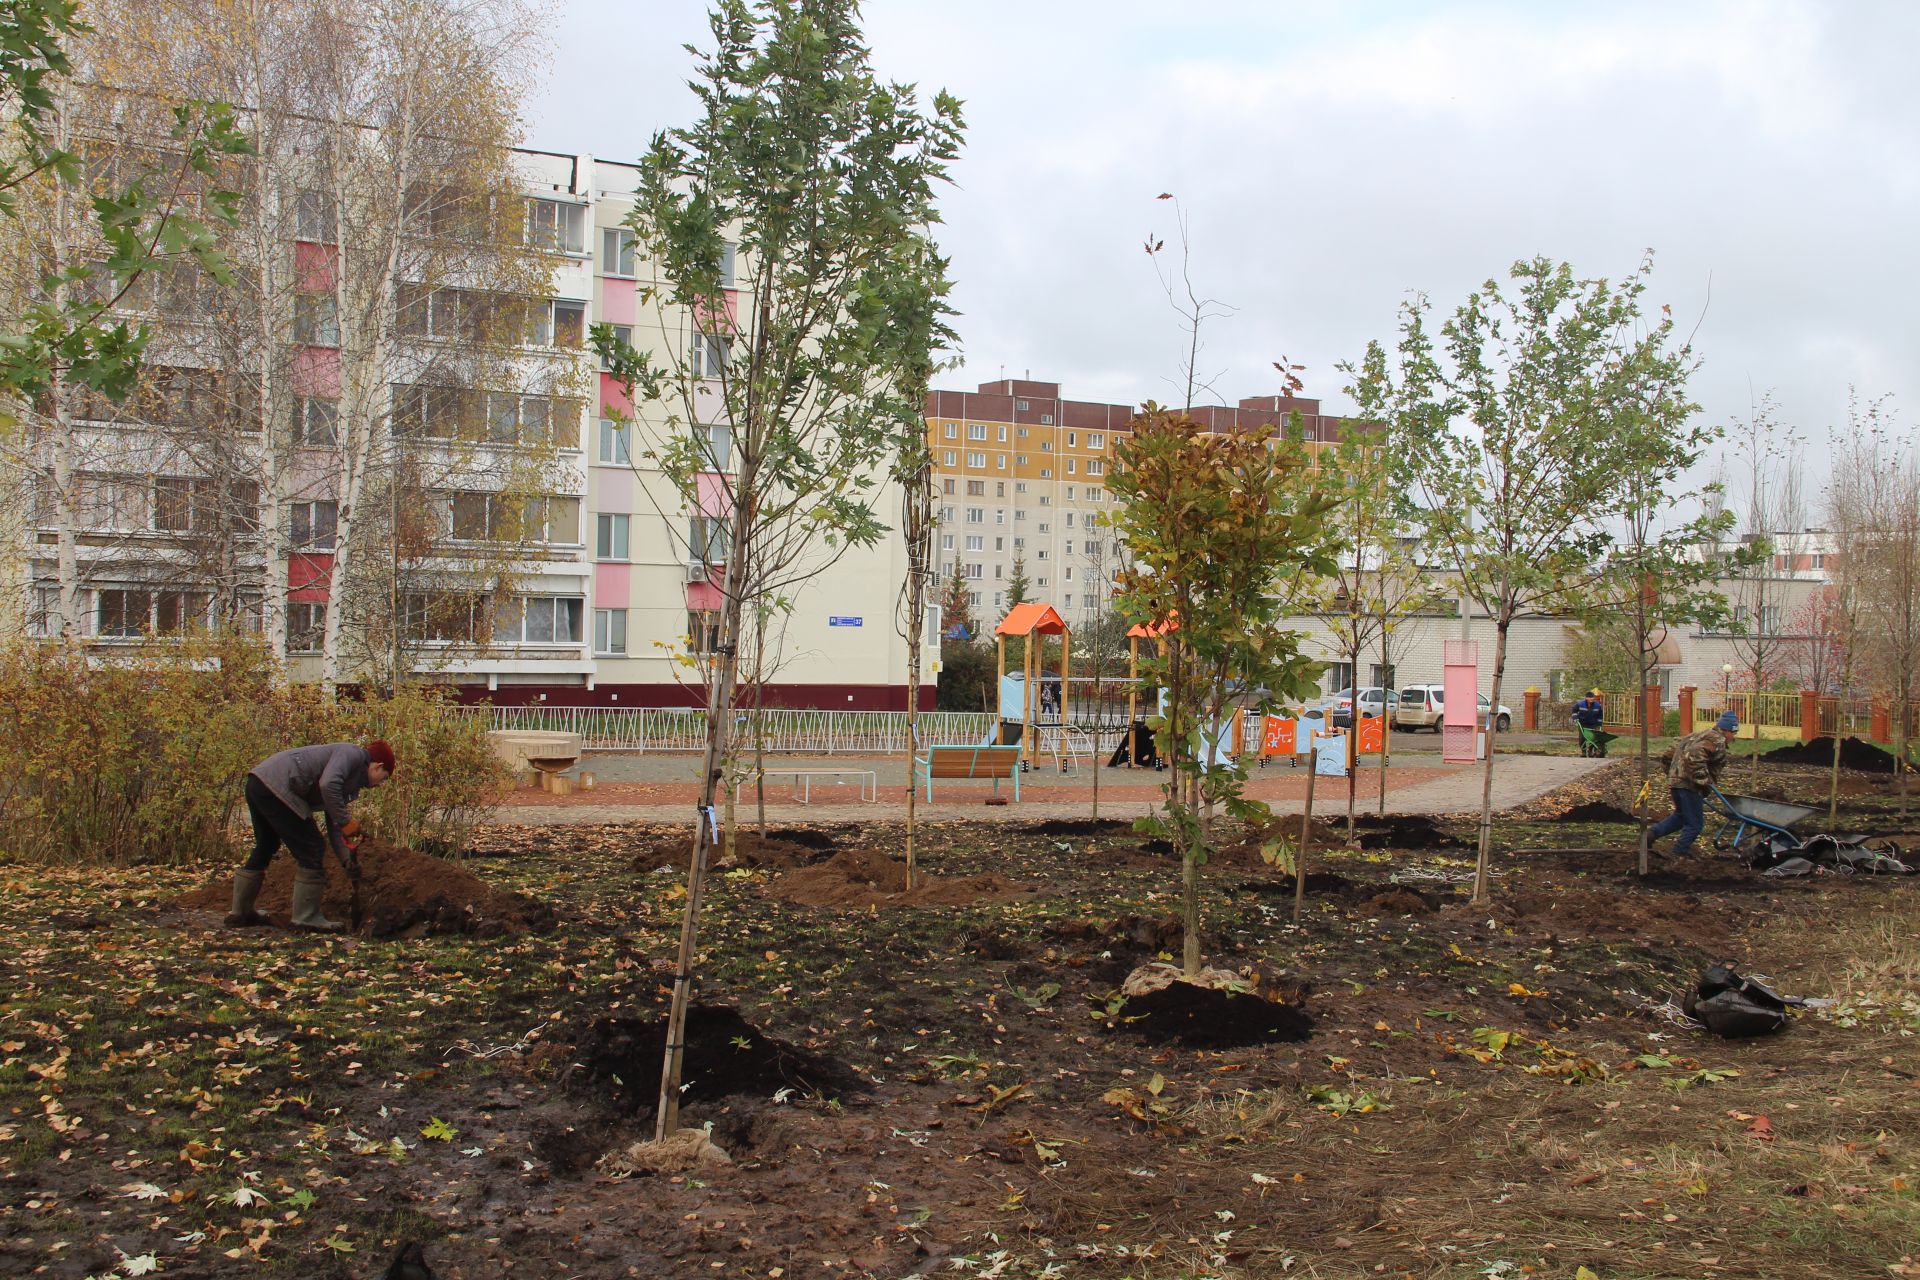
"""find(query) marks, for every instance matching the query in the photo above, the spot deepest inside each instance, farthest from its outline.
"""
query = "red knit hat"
(378, 752)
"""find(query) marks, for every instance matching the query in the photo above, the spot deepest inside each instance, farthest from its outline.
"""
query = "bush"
(141, 758)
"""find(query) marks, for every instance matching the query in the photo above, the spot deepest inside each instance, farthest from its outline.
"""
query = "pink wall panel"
(316, 372)
(612, 397)
(313, 266)
(615, 485)
(712, 491)
(612, 586)
(619, 301)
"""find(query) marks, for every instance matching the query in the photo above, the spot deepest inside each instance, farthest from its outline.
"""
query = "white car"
(1423, 706)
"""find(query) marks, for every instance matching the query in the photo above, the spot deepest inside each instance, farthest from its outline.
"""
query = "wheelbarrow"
(1593, 742)
(1747, 816)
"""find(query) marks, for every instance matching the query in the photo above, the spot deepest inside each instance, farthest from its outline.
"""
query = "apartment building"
(615, 580)
(1020, 473)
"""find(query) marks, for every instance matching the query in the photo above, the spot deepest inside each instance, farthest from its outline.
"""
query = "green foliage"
(142, 759)
(146, 227)
(1211, 521)
(966, 676)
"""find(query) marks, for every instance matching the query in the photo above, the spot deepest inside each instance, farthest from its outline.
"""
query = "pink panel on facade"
(715, 500)
(308, 576)
(316, 372)
(619, 301)
(709, 315)
(615, 487)
(612, 586)
(313, 266)
(704, 596)
(612, 398)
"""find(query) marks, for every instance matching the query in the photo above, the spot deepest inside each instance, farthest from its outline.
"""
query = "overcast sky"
(1333, 157)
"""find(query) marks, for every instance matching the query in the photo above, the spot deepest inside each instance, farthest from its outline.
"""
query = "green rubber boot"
(307, 888)
(246, 892)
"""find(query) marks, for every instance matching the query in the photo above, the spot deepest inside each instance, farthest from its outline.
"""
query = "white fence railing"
(787, 732)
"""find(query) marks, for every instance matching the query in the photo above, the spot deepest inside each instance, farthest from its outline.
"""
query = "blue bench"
(968, 764)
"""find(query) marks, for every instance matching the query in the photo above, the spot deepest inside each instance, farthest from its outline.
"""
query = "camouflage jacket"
(1697, 760)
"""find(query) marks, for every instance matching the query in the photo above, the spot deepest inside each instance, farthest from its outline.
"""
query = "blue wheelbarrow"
(1751, 817)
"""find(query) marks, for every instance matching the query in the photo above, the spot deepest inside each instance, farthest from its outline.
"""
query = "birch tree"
(788, 229)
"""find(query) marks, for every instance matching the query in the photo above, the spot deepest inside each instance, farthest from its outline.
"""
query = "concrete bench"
(968, 764)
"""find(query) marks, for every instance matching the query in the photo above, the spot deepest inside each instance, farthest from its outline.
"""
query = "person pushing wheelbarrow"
(1698, 759)
(1588, 715)
(282, 792)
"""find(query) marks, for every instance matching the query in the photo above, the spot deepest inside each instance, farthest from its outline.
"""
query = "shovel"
(351, 834)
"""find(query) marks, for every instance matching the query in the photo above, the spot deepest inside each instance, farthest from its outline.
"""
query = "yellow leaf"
(1584, 1274)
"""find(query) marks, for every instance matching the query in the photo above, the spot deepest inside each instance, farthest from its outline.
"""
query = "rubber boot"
(307, 888)
(246, 892)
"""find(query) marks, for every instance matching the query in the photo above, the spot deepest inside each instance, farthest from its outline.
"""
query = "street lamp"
(1726, 682)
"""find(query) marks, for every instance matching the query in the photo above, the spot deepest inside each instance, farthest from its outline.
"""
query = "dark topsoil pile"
(1862, 757)
(869, 878)
(403, 894)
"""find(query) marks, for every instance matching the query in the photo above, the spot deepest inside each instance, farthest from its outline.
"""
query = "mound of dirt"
(869, 878)
(1078, 827)
(1204, 1018)
(1862, 757)
(1397, 902)
(1596, 811)
(725, 1057)
(403, 894)
(1404, 831)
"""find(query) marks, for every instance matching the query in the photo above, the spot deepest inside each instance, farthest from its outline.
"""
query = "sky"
(1334, 158)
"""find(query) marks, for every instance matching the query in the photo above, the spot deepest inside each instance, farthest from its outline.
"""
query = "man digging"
(282, 792)
(1698, 759)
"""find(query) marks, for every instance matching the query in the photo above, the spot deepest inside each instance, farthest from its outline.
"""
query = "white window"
(557, 226)
(1046, 473)
(999, 544)
(622, 337)
(703, 631)
(1019, 543)
(1069, 520)
(976, 431)
(999, 488)
(1069, 574)
(616, 254)
(1000, 461)
(976, 515)
(1019, 486)
(949, 458)
(610, 536)
(976, 488)
(1073, 438)
(313, 219)
(707, 355)
(973, 598)
(316, 320)
(1046, 419)
(616, 442)
(312, 525)
(1041, 554)
(1003, 435)
(946, 486)
(1000, 515)
(1018, 516)
(709, 539)
(1021, 432)
(1096, 495)
(1046, 446)
(976, 542)
(951, 431)
(1095, 466)
(715, 441)
(1046, 499)
(539, 620)
(1070, 462)
(1069, 596)
(1043, 527)
(728, 262)
(557, 322)
(976, 459)
(1069, 493)
(976, 570)
(1096, 440)
(1019, 459)
(946, 542)
(1020, 406)
(996, 572)
(946, 515)
(316, 422)
(610, 631)
(306, 626)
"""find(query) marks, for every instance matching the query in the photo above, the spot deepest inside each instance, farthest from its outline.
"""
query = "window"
(976, 542)
(1019, 486)
(1000, 461)
(1003, 435)
(729, 257)
(616, 255)
(1096, 440)
(1018, 516)
(178, 612)
(313, 218)
(1019, 459)
(976, 570)
(1046, 500)
(1046, 446)
(610, 631)
(976, 459)
(946, 515)
(122, 612)
(1000, 516)
(1041, 554)
(946, 542)
(1019, 543)
(554, 519)
(1070, 465)
(707, 355)
(1069, 596)
(715, 442)
(610, 536)
(976, 431)
(1069, 521)
(1046, 473)
(1339, 676)
(616, 442)
(316, 423)
(996, 573)
(1093, 548)
(946, 487)
(1046, 419)
(1021, 432)
(1095, 466)
(951, 431)
(316, 320)
(313, 525)
(1043, 526)
(172, 504)
(306, 626)
(1770, 620)
(976, 515)
(949, 458)
(1069, 552)
(1096, 495)
(973, 598)
(1020, 406)
(539, 620)
(709, 539)
(703, 631)
(999, 488)
(1069, 493)
(557, 226)
(976, 488)
(1073, 438)
(558, 322)
(623, 336)
(492, 517)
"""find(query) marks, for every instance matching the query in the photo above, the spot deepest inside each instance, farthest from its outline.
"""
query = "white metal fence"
(787, 732)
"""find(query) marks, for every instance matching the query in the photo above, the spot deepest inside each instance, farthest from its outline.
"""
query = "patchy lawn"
(949, 1083)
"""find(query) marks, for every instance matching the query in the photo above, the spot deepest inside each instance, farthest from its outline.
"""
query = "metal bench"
(868, 779)
(968, 763)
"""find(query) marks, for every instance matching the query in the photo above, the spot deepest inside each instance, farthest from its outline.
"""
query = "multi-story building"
(1020, 473)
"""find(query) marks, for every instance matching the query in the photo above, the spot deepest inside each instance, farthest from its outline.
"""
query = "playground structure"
(1025, 698)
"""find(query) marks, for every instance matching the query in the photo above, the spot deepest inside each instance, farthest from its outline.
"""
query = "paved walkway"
(1417, 784)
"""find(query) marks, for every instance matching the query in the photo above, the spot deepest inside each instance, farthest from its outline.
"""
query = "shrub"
(140, 757)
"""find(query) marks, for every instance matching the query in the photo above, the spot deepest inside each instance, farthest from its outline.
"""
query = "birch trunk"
(1483, 864)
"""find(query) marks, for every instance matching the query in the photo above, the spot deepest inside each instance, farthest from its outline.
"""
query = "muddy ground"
(947, 1079)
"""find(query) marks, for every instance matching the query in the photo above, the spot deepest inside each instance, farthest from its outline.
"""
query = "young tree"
(813, 351)
(1524, 449)
(1211, 522)
(1852, 504)
(1771, 528)
(1882, 566)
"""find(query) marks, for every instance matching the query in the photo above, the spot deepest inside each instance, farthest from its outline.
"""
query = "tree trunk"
(1645, 672)
(1306, 835)
(1482, 869)
(1386, 723)
(1353, 736)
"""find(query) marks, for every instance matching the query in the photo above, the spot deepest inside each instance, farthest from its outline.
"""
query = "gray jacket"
(326, 777)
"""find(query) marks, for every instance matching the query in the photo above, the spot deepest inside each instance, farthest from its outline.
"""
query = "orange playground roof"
(1026, 619)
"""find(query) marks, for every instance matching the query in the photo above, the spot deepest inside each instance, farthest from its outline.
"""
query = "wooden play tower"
(1031, 620)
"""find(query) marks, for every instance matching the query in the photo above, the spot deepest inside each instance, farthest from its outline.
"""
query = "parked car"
(1338, 707)
(1423, 706)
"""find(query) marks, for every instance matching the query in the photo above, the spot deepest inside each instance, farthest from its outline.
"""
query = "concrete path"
(1428, 788)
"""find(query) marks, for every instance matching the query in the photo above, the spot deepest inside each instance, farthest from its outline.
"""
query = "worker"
(282, 792)
(1589, 713)
(1698, 759)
